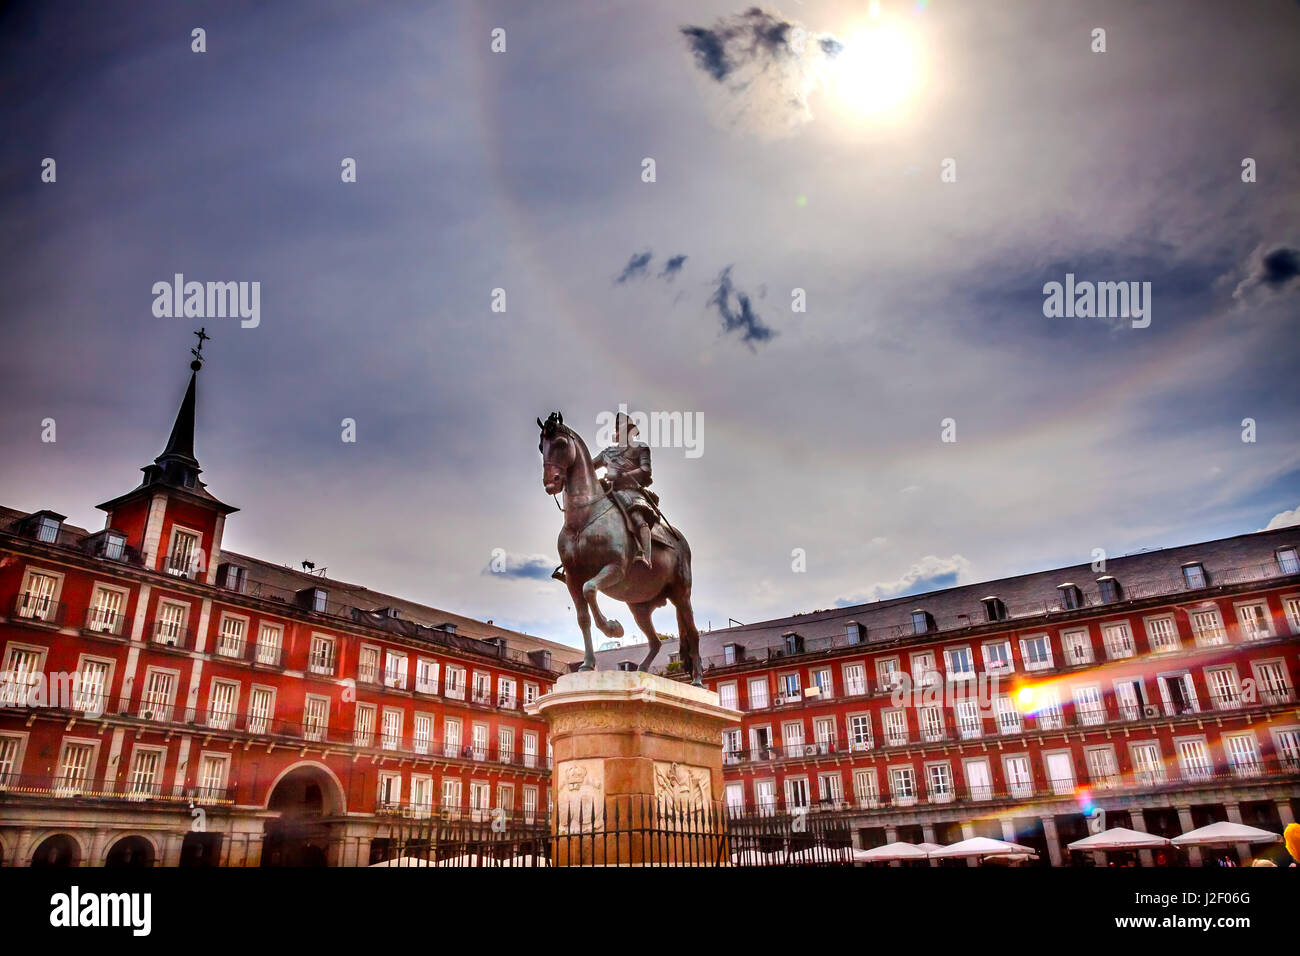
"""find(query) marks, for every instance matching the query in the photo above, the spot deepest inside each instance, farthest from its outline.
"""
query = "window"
(1271, 679)
(315, 717)
(231, 577)
(530, 749)
(261, 709)
(170, 628)
(1194, 575)
(1088, 705)
(426, 676)
(765, 796)
(830, 789)
(395, 670)
(902, 785)
(75, 767)
(1285, 742)
(792, 733)
(106, 606)
(1291, 605)
(1060, 773)
(979, 779)
(931, 719)
(938, 779)
(368, 664)
(1103, 771)
(792, 642)
(390, 790)
(1242, 752)
(47, 529)
(506, 744)
(421, 796)
(184, 556)
(480, 742)
(1178, 693)
(91, 687)
(23, 672)
(789, 684)
(757, 693)
(1288, 562)
(530, 693)
(1077, 646)
(727, 696)
(1020, 782)
(213, 769)
(887, 673)
(997, 657)
(322, 654)
(796, 793)
(1071, 596)
(1148, 767)
(924, 673)
(1255, 622)
(895, 722)
(146, 773)
(855, 681)
(506, 797)
(391, 729)
(451, 795)
(1194, 759)
(1009, 721)
(1036, 652)
(363, 733)
(480, 800)
(37, 601)
(823, 682)
(223, 704)
(969, 723)
(422, 733)
(231, 640)
(864, 789)
(731, 746)
(530, 804)
(160, 686)
(853, 632)
(1222, 684)
(921, 622)
(1162, 634)
(269, 640)
(451, 738)
(1118, 640)
(734, 795)
(961, 664)
(824, 734)
(1047, 704)
(482, 684)
(506, 693)
(455, 688)
(1131, 699)
(731, 653)
(994, 609)
(860, 731)
(1110, 590)
(1208, 627)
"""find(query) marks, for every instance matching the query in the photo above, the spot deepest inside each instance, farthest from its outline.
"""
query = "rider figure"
(627, 473)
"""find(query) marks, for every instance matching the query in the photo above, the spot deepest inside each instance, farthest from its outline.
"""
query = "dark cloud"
(530, 567)
(737, 312)
(637, 267)
(1270, 272)
(673, 266)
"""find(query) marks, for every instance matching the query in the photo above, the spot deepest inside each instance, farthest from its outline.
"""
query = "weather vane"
(198, 352)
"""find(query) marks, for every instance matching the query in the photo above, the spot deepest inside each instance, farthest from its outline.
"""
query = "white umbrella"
(982, 846)
(930, 847)
(1119, 838)
(888, 853)
(403, 861)
(1225, 833)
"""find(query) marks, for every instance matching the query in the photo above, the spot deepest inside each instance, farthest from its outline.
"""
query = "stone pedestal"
(637, 777)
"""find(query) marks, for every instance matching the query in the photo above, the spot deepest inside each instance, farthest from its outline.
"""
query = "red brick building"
(165, 700)
(1159, 690)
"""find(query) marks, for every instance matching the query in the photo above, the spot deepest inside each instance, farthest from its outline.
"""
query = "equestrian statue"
(615, 540)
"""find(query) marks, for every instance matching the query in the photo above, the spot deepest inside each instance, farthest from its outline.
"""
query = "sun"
(878, 71)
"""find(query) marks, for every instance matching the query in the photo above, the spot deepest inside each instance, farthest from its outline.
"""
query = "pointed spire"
(180, 446)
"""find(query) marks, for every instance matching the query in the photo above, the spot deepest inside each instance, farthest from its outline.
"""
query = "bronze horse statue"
(597, 552)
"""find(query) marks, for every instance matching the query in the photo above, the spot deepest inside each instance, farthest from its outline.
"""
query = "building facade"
(165, 701)
(1157, 694)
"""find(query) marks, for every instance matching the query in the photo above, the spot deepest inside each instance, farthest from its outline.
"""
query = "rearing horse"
(597, 552)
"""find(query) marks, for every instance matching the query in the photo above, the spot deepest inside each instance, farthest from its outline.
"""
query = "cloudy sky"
(803, 147)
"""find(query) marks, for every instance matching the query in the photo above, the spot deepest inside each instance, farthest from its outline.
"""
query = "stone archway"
(131, 852)
(59, 850)
(305, 796)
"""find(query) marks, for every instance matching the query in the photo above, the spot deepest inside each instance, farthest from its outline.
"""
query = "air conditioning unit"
(1150, 710)
(810, 750)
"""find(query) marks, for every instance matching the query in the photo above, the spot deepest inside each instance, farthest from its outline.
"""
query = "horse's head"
(558, 452)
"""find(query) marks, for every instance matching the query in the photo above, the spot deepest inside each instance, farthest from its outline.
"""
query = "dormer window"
(232, 577)
(1194, 575)
(922, 622)
(627, 665)
(1071, 596)
(994, 609)
(45, 527)
(1110, 590)
(731, 653)
(792, 642)
(314, 599)
(114, 546)
(184, 555)
(854, 632)
(1288, 562)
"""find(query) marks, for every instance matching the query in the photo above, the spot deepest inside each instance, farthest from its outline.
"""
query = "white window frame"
(1026, 642)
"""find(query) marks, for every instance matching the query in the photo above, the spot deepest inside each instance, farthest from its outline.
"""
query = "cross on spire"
(203, 337)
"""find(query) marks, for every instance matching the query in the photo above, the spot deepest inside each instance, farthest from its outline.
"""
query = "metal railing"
(90, 787)
(34, 609)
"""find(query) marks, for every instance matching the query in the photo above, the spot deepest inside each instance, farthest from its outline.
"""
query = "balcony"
(267, 654)
(173, 636)
(181, 565)
(508, 702)
(36, 610)
(104, 621)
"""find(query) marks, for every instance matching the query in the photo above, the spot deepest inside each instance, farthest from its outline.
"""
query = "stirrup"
(558, 574)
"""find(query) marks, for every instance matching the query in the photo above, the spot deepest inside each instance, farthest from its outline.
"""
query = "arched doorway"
(305, 798)
(57, 851)
(130, 852)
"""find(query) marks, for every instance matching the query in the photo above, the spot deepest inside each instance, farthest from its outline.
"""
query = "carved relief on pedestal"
(652, 720)
(580, 796)
(682, 791)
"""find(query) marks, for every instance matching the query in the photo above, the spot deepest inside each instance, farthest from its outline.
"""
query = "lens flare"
(878, 70)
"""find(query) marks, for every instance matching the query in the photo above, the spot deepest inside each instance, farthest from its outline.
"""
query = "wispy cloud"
(638, 267)
(927, 574)
(736, 310)
(536, 567)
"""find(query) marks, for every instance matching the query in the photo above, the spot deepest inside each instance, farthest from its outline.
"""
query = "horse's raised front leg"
(642, 613)
(584, 622)
(606, 576)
